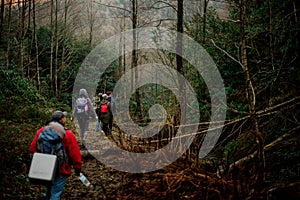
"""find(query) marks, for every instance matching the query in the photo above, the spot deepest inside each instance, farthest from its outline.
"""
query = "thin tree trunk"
(179, 64)
(135, 55)
(21, 9)
(251, 101)
(51, 48)
(270, 34)
(204, 20)
(91, 23)
(63, 63)
(30, 41)
(9, 36)
(179, 59)
(1, 18)
(296, 20)
(120, 49)
(124, 45)
(36, 48)
(56, 49)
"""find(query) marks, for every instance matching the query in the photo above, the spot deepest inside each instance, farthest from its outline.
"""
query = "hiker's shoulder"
(69, 135)
(40, 130)
(69, 132)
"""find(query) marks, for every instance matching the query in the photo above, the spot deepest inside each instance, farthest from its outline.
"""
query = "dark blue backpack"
(49, 142)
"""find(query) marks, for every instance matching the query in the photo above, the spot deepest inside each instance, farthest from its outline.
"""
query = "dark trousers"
(105, 128)
(110, 122)
(83, 121)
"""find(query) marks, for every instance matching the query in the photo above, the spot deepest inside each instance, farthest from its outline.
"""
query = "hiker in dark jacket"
(104, 114)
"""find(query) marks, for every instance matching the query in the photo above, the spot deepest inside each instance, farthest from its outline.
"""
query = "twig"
(230, 56)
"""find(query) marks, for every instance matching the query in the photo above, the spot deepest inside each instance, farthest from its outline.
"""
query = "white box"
(43, 168)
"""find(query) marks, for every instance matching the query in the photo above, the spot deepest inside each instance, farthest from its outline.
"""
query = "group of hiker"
(83, 111)
(54, 138)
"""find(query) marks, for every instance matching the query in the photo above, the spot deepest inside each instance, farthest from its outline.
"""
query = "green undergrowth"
(15, 159)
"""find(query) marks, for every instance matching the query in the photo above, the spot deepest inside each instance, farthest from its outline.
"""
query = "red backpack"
(104, 108)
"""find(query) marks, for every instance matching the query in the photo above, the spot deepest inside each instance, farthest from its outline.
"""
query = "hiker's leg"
(81, 126)
(105, 128)
(58, 187)
(48, 193)
(101, 126)
(86, 127)
(108, 130)
(82, 130)
(110, 121)
(87, 121)
(97, 125)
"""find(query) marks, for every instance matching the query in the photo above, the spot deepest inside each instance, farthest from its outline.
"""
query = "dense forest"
(46, 46)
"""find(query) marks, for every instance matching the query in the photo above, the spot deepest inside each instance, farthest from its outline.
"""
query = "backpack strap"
(39, 145)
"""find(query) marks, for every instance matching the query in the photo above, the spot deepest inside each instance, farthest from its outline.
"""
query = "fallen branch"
(267, 147)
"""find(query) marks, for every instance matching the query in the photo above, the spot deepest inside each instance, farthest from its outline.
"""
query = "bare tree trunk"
(64, 37)
(91, 21)
(36, 48)
(121, 49)
(270, 34)
(296, 20)
(179, 65)
(204, 20)
(124, 45)
(134, 53)
(9, 35)
(21, 34)
(1, 18)
(179, 59)
(56, 49)
(51, 48)
(251, 100)
(30, 41)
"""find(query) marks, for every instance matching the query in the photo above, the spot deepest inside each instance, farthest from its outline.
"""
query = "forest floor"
(186, 178)
(176, 181)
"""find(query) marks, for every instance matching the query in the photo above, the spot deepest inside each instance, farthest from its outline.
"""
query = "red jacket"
(70, 145)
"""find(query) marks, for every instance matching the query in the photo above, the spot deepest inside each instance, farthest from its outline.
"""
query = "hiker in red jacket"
(70, 145)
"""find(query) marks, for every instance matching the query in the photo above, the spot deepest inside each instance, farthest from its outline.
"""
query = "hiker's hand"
(77, 172)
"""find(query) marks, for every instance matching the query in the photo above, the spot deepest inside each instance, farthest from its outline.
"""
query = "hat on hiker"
(104, 96)
(57, 115)
(83, 92)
